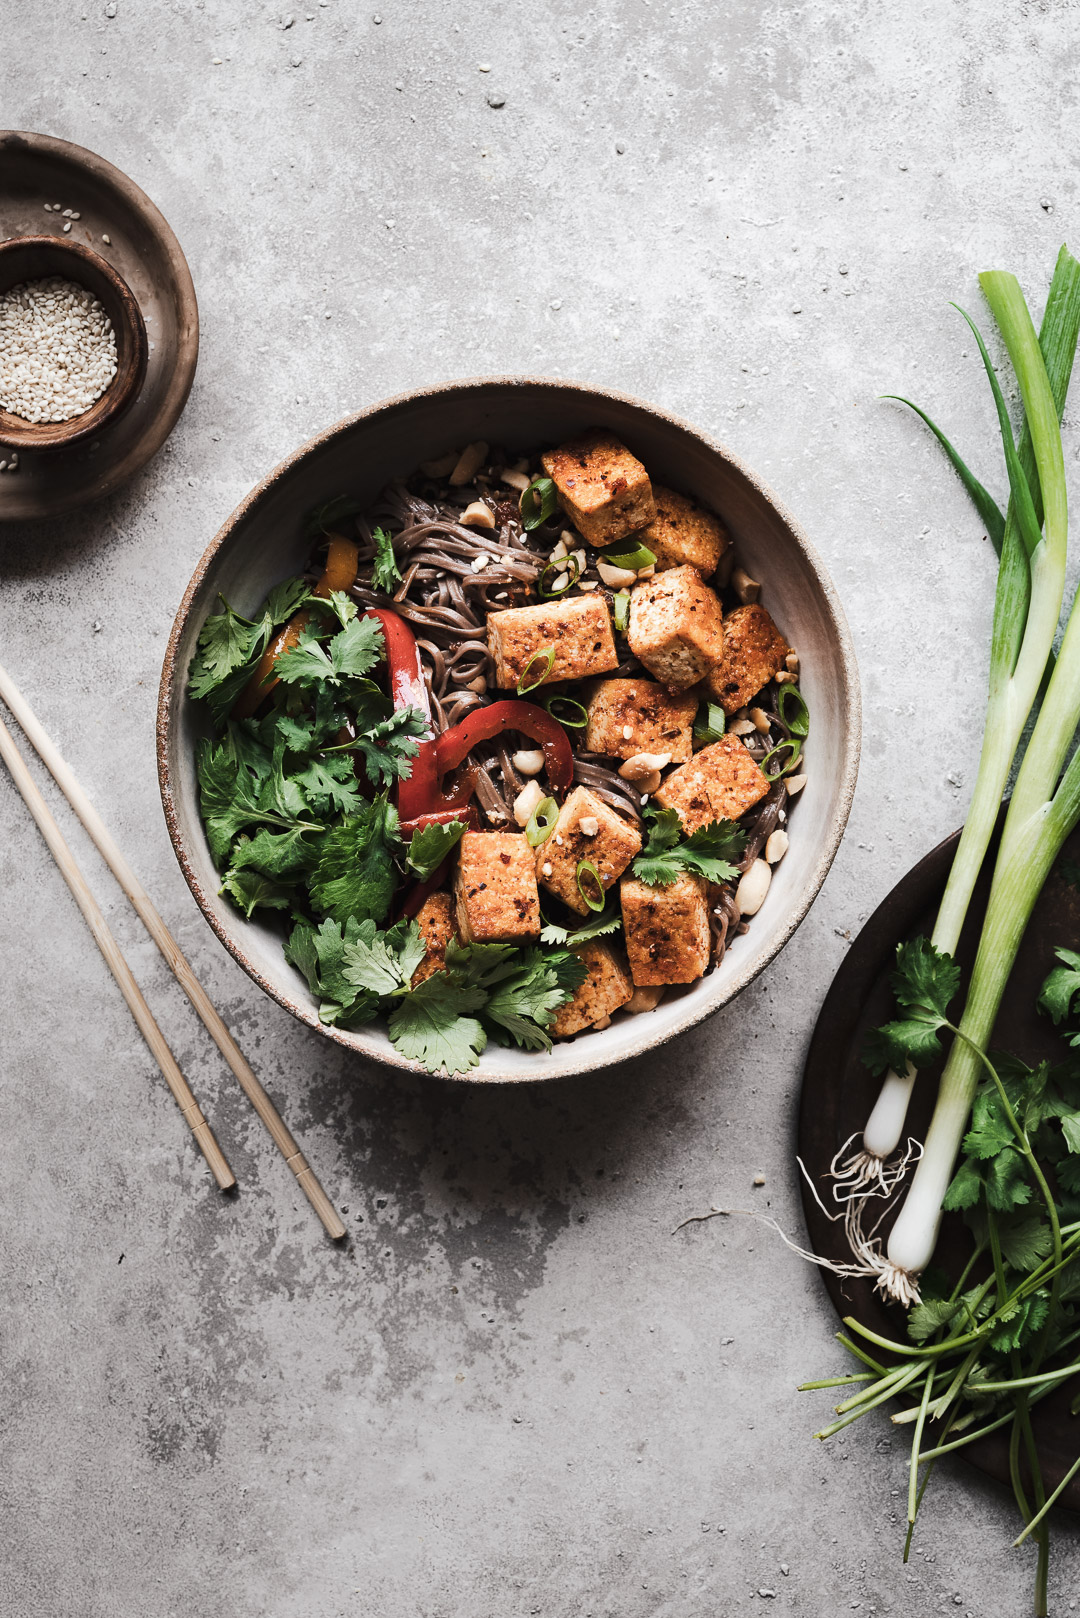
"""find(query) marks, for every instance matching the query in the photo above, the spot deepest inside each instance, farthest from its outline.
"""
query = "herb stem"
(913, 1469)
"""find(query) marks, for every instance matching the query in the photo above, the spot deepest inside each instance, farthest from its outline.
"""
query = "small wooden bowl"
(31, 258)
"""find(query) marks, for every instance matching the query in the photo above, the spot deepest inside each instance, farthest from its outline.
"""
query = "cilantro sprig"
(484, 991)
(706, 852)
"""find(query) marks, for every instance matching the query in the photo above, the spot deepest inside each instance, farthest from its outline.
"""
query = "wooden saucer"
(35, 170)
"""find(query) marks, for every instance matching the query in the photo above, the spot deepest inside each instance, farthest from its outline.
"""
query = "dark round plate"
(838, 1092)
(34, 170)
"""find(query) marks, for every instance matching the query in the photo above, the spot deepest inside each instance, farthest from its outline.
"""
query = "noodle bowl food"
(514, 755)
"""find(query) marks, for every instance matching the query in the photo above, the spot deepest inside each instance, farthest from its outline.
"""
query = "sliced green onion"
(563, 564)
(798, 719)
(793, 745)
(546, 655)
(622, 611)
(542, 822)
(587, 868)
(633, 560)
(575, 720)
(710, 724)
(538, 502)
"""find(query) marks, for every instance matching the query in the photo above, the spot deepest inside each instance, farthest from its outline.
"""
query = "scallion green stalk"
(1027, 606)
(1041, 814)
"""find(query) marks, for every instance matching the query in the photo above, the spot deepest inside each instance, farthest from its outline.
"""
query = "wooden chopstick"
(115, 961)
(178, 964)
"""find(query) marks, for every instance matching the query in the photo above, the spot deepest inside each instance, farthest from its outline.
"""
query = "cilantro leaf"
(705, 852)
(1020, 1322)
(385, 573)
(231, 801)
(924, 981)
(354, 874)
(525, 1003)
(913, 1038)
(382, 962)
(965, 1188)
(358, 648)
(432, 1025)
(229, 645)
(283, 855)
(251, 890)
(284, 599)
(430, 846)
(341, 604)
(349, 654)
(925, 978)
(388, 747)
(1060, 988)
(930, 1316)
(608, 921)
(1025, 1241)
(319, 952)
(224, 644)
(329, 784)
(1005, 1181)
(407, 942)
(306, 663)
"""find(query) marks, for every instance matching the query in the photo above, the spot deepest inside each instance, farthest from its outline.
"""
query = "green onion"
(793, 710)
(1026, 609)
(791, 746)
(710, 724)
(1042, 810)
(538, 502)
(622, 611)
(633, 560)
(576, 720)
(545, 655)
(542, 822)
(563, 564)
(586, 868)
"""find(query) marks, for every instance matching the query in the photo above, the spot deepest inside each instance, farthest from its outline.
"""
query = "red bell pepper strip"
(440, 817)
(479, 726)
(417, 795)
(418, 895)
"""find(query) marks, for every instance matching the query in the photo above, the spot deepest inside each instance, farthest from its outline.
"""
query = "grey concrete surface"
(514, 1391)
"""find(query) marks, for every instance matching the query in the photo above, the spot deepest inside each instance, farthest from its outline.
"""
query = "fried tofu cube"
(676, 627)
(754, 654)
(495, 897)
(585, 830)
(607, 987)
(684, 534)
(435, 918)
(639, 716)
(604, 490)
(720, 783)
(578, 631)
(667, 929)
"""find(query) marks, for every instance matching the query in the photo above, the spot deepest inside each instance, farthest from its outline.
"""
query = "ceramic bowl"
(32, 258)
(262, 543)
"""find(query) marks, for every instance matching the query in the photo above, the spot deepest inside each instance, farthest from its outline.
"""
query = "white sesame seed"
(57, 349)
(67, 227)
(106, 239)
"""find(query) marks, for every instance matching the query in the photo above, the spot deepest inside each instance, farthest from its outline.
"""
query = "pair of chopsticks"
(165, 942)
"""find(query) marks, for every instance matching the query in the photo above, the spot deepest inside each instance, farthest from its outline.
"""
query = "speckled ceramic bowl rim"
(847, 673)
